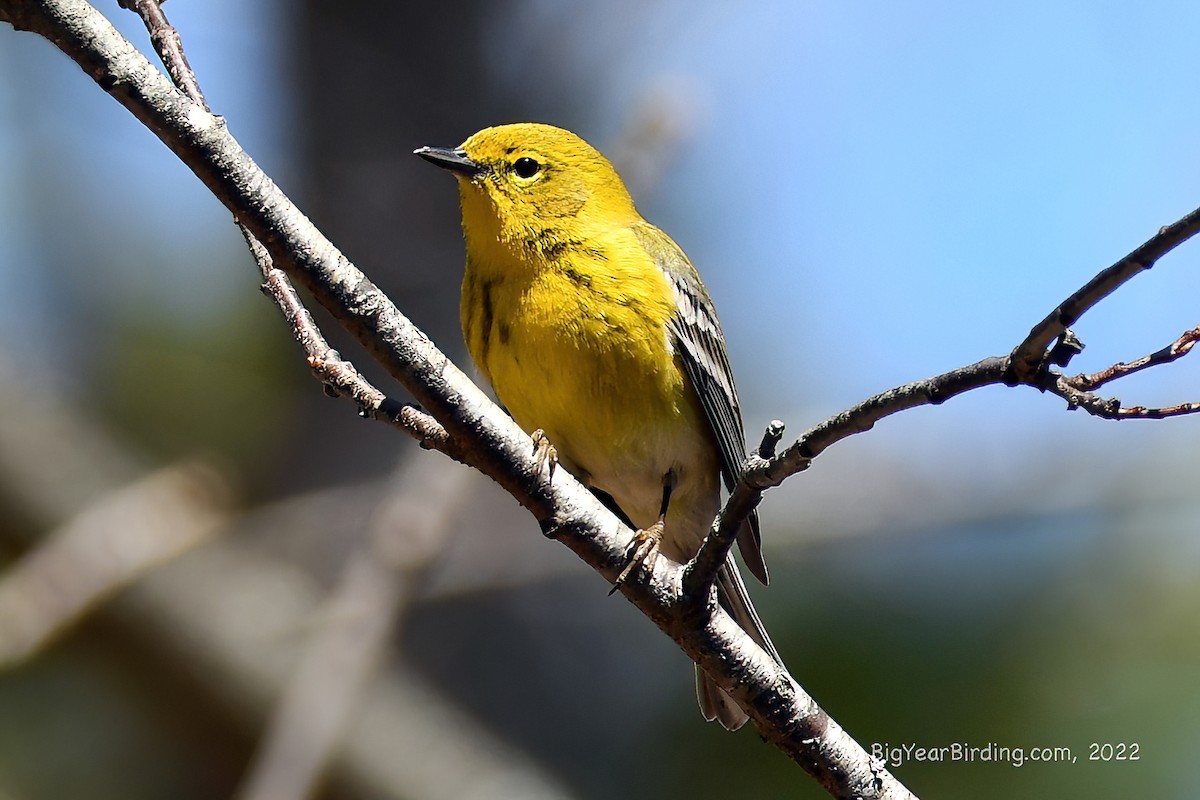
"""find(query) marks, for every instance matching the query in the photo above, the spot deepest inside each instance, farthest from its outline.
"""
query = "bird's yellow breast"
(577, 344)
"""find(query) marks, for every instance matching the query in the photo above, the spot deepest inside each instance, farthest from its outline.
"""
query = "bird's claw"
(545, 453)
(646, 553)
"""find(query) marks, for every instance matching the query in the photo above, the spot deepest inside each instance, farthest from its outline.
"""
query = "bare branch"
(1027, 358)
(1110, 407)
(338, 376)
(1029, 364)
(168, 45)
(1175, 350)
(700, 574)
(1142, 412)
(761, 474)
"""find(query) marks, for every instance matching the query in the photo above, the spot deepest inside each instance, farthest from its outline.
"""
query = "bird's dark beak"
(454, 159)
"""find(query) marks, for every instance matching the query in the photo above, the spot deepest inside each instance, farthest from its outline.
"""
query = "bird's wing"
(698, 342)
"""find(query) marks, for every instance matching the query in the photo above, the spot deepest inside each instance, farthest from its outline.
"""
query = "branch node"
(771, 439)
(1066, 348)
(549, 527)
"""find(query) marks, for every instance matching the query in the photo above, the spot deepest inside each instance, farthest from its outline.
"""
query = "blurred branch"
(663, 117)
(107, 547)
(489, 439)
(408, 531)
(227, 616)
(233, 618)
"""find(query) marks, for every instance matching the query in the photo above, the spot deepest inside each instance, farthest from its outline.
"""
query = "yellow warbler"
(593, 326)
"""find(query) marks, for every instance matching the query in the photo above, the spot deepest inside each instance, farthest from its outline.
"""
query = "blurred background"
(217, 582)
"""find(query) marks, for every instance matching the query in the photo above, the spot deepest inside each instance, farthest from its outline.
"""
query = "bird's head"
(517, 181)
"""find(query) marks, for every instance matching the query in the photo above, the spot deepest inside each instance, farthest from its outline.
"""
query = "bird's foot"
(648, 542)
(545, 453)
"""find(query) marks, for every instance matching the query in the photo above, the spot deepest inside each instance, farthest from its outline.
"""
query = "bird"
(595, 331)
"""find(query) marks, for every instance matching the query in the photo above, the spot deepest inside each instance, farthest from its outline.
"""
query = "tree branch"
(168, 45)
(700, 574)
(1029, 364)
(339, 377)
(1026, 359)
(1172, 352)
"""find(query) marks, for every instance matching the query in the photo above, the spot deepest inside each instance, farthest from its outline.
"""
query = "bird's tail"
(715, 704)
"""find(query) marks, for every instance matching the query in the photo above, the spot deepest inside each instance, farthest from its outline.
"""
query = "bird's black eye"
(526, 167)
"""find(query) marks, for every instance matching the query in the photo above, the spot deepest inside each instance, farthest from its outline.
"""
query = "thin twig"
(700, 574)
(862, 416)
(1027, 358)
(337, 375)
(1142, 412)
(168, 45)
(1110, 407)
(1029, 364)
(1175, 350)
